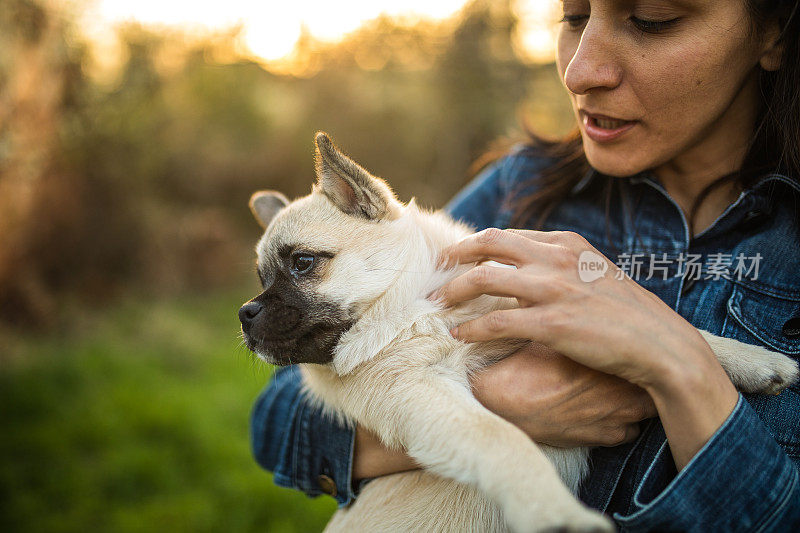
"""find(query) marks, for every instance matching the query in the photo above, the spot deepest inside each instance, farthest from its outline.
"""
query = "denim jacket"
(739, 278)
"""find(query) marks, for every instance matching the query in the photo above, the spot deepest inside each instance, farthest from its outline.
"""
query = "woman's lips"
(601, 128)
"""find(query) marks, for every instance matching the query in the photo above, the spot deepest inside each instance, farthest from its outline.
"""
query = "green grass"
(138, 421)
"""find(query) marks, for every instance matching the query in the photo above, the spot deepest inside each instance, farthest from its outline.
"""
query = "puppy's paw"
(570, 518)
(784, 375)
(774, 373)
(753, 368)
(584, 521)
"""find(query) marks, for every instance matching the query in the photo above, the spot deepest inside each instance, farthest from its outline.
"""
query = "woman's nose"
(594, 64)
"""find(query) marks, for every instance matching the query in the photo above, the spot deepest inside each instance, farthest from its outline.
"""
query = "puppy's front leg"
(443, 427)
(753, 368)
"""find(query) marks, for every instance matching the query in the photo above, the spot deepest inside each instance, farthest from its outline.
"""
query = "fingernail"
(434, 295)
(454, 332)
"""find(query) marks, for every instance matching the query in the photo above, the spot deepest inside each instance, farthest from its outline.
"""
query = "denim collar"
(756, 202)
(759, 188)
(584, 182)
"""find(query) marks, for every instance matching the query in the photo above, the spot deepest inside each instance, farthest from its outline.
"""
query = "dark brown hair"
(774, 146)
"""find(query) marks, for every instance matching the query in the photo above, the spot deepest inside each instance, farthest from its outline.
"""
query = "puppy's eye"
(302, 263)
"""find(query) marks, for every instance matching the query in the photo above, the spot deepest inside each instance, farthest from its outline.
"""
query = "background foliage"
(126, 244)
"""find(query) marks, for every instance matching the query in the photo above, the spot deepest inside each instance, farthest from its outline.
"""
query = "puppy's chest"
(415, 352)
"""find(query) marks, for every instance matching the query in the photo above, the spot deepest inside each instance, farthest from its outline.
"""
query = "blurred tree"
(143, 182)
(40, 82)
(482, 83)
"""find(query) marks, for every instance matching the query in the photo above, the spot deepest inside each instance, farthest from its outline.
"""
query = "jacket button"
(792, 327)
(327, 485)
(753, 219)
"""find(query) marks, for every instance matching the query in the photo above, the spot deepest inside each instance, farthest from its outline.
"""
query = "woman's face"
(659, 83)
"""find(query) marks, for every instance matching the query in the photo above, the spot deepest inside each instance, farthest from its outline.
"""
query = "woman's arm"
(657, 350)
(733, 475)
(692, 402)
(372, 459)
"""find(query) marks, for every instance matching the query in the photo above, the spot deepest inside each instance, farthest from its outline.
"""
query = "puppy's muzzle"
(269, 318)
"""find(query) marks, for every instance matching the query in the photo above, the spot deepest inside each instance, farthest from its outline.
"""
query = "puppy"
(345, 272)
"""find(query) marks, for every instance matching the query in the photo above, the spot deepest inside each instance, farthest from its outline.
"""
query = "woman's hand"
(371, 458)
(559, 402)
(611, 324)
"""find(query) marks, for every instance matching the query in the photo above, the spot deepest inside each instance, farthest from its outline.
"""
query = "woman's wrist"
(372, 459)
(693, 400)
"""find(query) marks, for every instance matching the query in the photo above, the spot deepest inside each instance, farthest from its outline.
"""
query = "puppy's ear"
(351, 188)
(266, 204)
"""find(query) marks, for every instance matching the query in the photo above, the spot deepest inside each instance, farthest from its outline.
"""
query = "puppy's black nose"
(249, 311)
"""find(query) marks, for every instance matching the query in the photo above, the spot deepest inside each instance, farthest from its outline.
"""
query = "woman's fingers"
(506, 324)
(644, 408)
(561, 238)
(499, 245)
(494, 281)
(629, 434)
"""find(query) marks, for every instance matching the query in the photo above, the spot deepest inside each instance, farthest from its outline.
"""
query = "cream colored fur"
(399, 373)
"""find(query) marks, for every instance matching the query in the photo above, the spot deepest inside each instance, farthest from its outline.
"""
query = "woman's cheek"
(674, 95)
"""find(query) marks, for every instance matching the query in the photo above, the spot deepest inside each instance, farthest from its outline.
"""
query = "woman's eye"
(575, 21)
(652, 26)
(302, 263)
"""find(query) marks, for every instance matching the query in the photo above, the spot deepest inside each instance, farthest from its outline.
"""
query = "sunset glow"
(270, 29)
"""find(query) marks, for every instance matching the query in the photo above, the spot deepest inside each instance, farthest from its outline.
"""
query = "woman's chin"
(615, 163)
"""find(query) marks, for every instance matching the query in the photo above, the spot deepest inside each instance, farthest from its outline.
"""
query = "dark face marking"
(288, 324)
(298, 263)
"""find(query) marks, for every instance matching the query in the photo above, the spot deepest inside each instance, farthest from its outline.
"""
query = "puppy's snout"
(248, 313)
(269, 317)
(284, 318)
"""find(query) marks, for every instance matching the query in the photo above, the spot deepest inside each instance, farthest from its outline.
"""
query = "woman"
(688, 156)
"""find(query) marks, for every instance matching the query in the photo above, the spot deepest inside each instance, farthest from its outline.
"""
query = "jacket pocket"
(781, 415)
(757, 316)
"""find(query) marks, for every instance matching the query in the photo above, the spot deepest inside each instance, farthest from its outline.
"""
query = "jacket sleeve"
(741, 480)
(302, 447)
